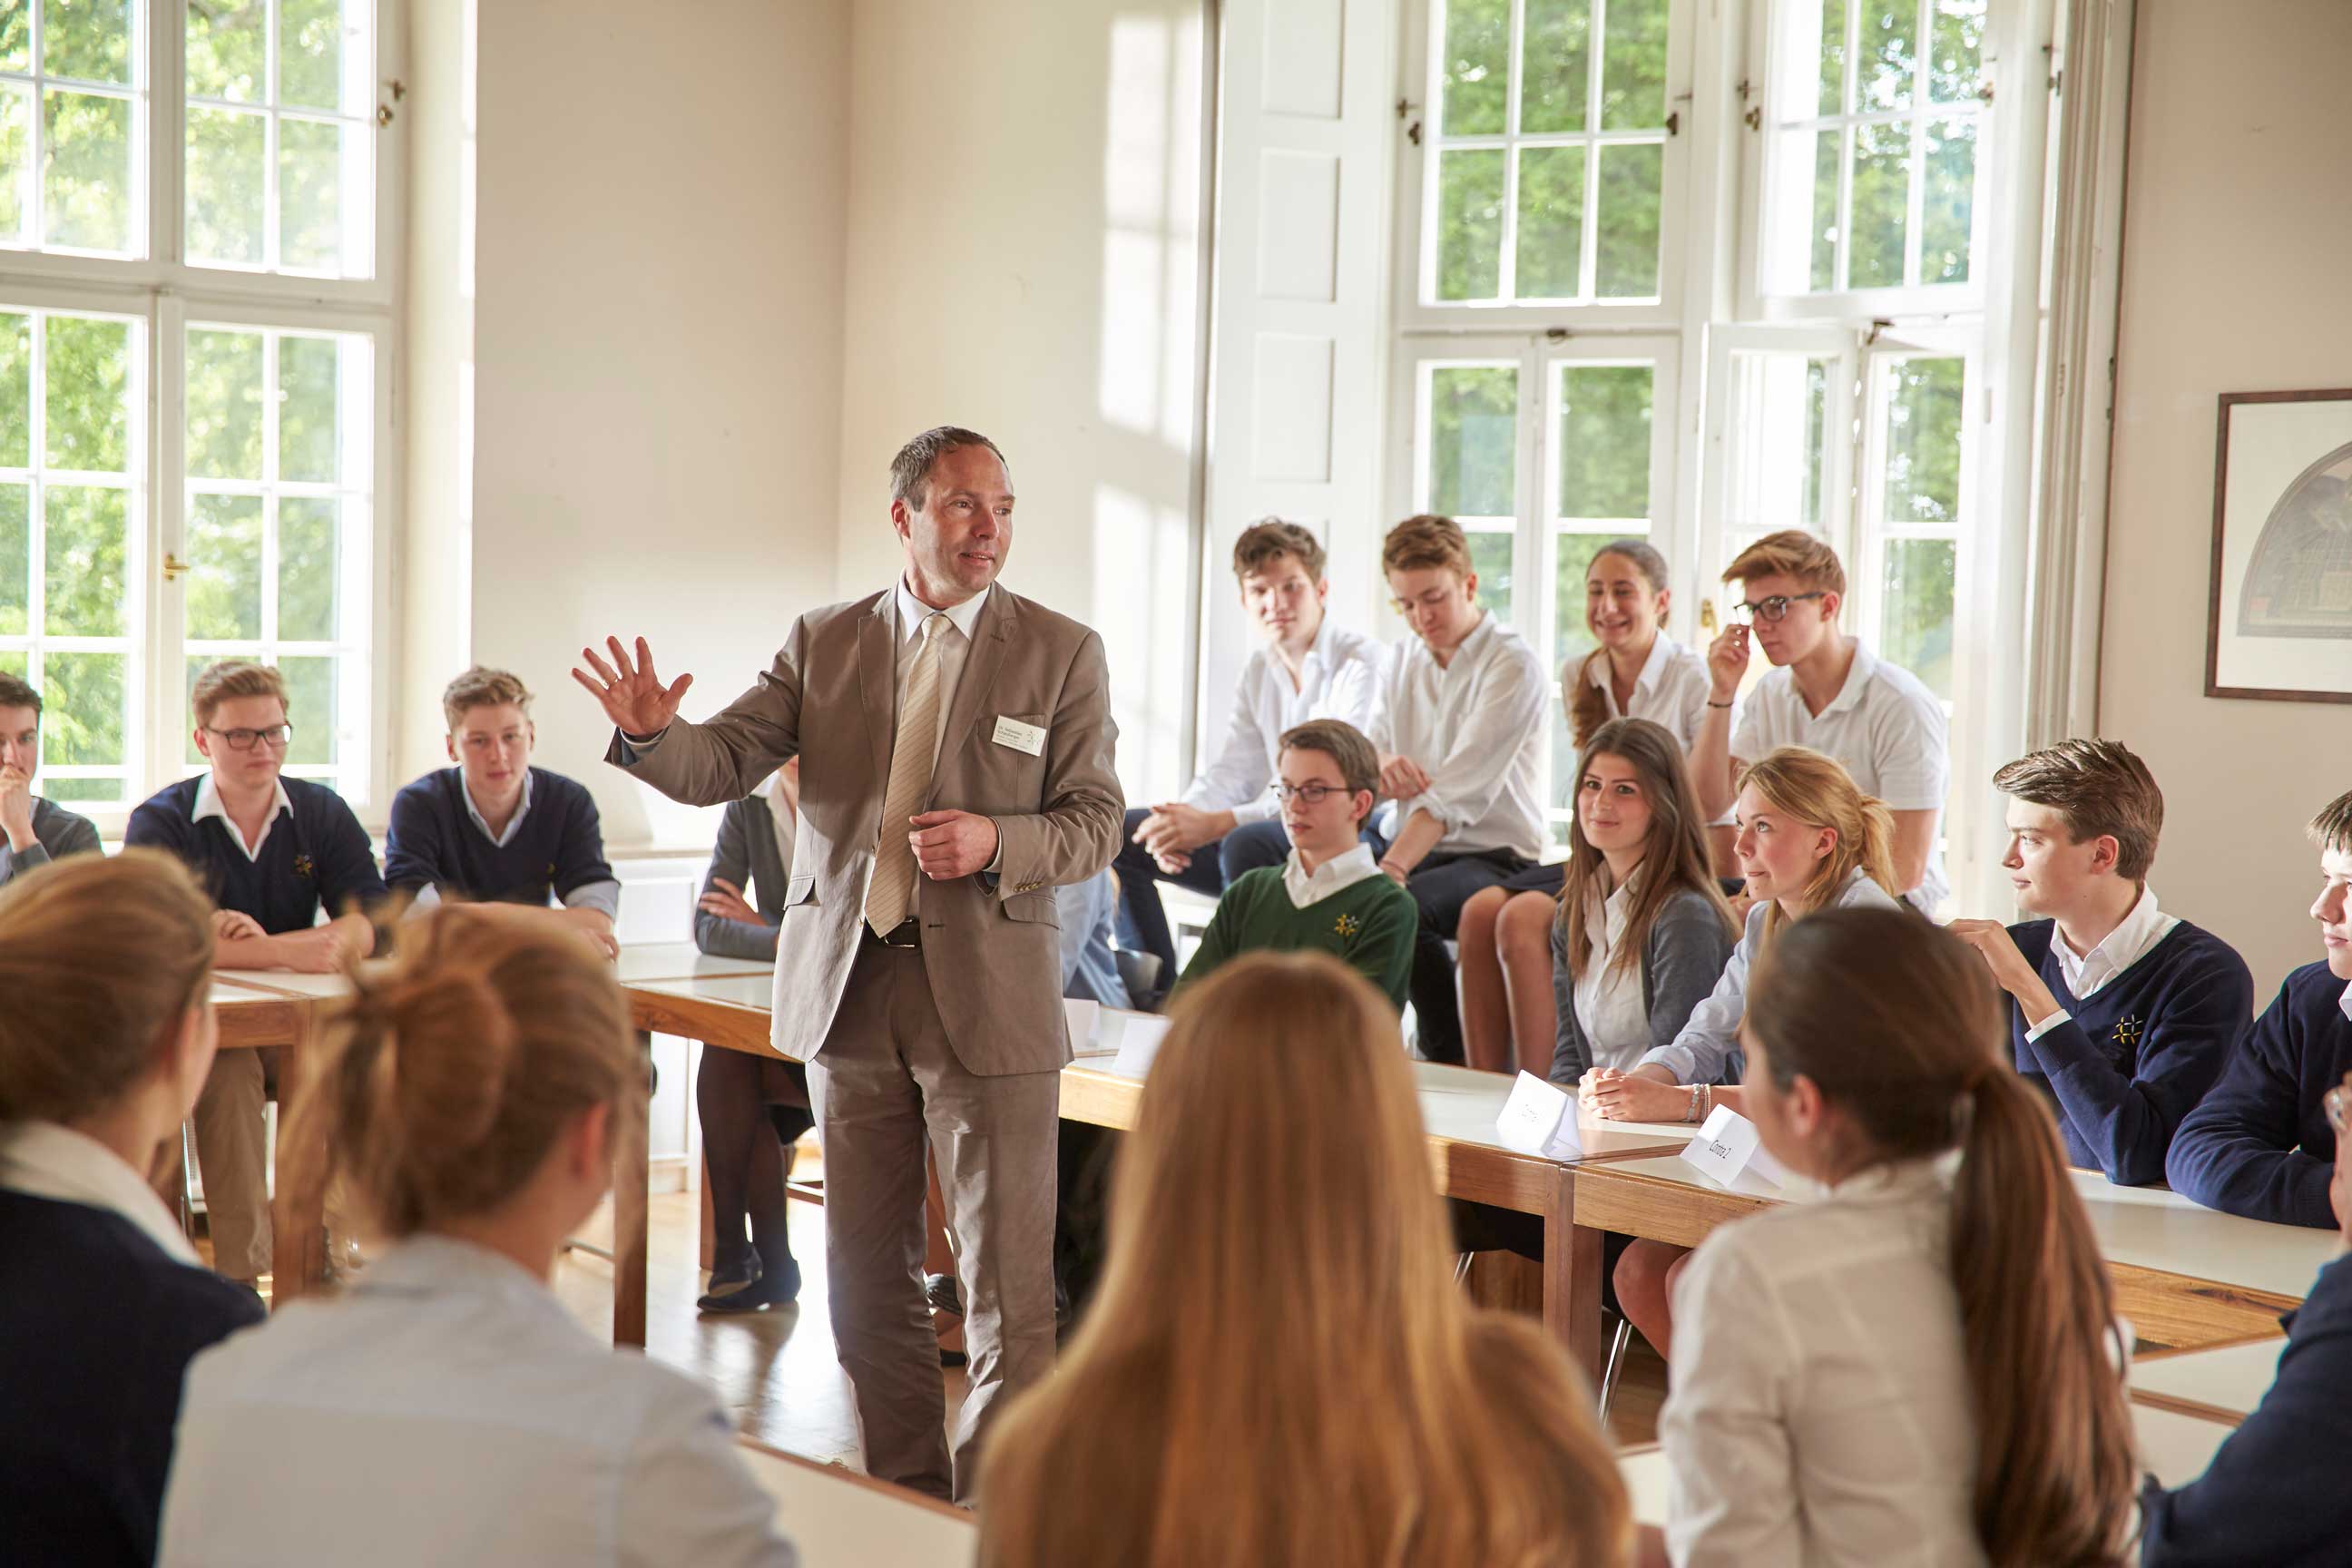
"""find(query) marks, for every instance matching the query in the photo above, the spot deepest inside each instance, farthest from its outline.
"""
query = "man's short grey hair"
(910, 471)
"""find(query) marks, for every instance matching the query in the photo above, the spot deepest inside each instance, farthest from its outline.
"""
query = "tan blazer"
(991, 944)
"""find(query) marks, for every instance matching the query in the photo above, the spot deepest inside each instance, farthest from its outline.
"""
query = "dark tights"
(753, 1108)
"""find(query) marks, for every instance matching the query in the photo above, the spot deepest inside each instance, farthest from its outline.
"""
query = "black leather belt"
(903, 934)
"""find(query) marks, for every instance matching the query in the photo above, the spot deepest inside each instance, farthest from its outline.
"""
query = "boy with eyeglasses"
(1328, 894)
(1828, 691)
(272, 852)
(32, 831)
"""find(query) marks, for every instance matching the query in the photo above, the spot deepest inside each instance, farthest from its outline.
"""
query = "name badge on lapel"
(1012, 733)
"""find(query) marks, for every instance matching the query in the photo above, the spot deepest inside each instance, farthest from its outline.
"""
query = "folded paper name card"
(1727, 1145)
(1539, 1119)
(1138, 1044)
(1084, 1016)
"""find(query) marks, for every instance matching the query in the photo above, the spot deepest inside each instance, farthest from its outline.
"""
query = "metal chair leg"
(1618, 1343)
(1461, 1267)
(187, 1181)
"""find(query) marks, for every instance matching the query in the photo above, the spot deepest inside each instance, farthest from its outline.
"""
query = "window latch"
(174, 568)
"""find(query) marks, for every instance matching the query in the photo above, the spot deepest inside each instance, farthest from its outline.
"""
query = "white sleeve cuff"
(2051, 1022)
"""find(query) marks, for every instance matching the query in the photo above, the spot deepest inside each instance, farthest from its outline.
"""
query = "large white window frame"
(164, 293)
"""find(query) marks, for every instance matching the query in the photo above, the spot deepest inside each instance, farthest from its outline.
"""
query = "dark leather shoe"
(776, 1287)
(943, 1294)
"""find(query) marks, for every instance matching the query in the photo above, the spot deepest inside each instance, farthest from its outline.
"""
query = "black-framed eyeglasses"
(1312, 793)
(1749, 611)
(277, 737)
(2337, 1103)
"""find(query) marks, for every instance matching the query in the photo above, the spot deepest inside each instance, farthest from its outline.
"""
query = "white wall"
(657, 359)
(2234, 244)
(1022, 256)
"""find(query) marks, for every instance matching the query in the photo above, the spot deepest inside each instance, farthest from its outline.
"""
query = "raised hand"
(16, 807)
(633, 696)
(1726, 661)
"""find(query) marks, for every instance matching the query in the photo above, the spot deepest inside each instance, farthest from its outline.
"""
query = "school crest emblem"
(304, 868)
(2127, 1031)
(1348, 925)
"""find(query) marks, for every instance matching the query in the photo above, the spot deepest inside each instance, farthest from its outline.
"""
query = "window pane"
(16, 390)
(224, 404)
(90, 39)
(1474, 414)
(1477, 66)
(15, 560)
(86, 171)
(1551, 222)
(228, 49)
(1814, 457)
(1955, 59)
(1890, 53)
(307, 570)
(88, 377)
(310, 707)
(1469, 225)
(1558, 76)
(16, 36)
(84, 791)
(1778, 437)
(224, 584)
(1490, 557)
(315, 44)
(1633, 65)
(1833, 41)
(83, 717)
(1882, 179)
(1951, 170)
(15, 661)
(1625, 261)
(1917, 623)
(16, 159)
(1604, 440)
(306, 410)
(1572, 556)
(228, 160)
(1923, 440)
(83, 560)
(1828, 154)
(309, 195)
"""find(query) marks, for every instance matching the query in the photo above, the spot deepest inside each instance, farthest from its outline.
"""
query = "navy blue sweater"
(2260, 1144)
(2137, 1055)
(558, 847)
(100, 1328)
(317, 854)
(2276, 1493)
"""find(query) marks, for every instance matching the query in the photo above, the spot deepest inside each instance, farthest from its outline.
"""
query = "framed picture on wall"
(2280, 622)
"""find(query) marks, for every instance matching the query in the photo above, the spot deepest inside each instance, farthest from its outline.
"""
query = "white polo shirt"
(1671, 691)
(1884, 725)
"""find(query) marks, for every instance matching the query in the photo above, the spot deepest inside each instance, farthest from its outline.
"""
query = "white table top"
(228, 993)
(1463, 1104)
(756, 991)
(2173, 1448)
(1674, 1168)
(2229, 1381)
(837, 1520)
(286, 980)
(679, 961)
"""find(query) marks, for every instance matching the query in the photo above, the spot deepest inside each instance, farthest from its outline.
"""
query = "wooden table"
(837, 1518)
(258, 1010)
(2184, 1275)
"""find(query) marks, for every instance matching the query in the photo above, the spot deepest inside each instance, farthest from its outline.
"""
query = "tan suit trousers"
(233, 1153)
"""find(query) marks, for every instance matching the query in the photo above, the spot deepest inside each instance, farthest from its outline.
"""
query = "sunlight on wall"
(1141, 553)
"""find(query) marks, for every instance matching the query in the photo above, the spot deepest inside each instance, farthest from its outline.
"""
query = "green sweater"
(1368, 925)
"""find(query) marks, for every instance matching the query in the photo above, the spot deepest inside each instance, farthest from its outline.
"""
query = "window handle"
(174, 568)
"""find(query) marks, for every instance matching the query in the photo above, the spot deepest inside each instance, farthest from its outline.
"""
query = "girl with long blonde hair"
(1280, 1370)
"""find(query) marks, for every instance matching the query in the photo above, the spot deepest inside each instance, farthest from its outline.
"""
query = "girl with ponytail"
(447, 1408)
(1923, 1365)
(1809, 840)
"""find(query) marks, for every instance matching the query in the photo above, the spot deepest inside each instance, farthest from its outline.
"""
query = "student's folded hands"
(1617, 1096)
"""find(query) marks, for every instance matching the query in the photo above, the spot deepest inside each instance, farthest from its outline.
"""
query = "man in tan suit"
(955, 743)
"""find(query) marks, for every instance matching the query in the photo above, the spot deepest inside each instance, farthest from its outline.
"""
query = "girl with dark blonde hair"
(1280, 1370)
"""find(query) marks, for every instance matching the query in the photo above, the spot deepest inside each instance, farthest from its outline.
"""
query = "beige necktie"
(893, 885)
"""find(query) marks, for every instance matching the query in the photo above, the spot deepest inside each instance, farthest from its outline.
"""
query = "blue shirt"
(2139, 1053)
(553, 846)
(316, 855)
(2276, 1493)
(2260, 1144)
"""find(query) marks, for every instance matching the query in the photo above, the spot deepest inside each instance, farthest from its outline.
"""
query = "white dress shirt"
(448, 1409)
(43, 1159)
(2121, 948)
(1339, 678)
(1884, 725)
(1820, 1413)
(1671, 691)
(1335, 875)
(1699, 1053)
(208, 803)
(1610, 1006)
(1476, 726)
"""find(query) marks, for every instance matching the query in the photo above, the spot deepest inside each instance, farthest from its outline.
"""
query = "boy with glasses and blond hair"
(1829, 691)
(271, 853)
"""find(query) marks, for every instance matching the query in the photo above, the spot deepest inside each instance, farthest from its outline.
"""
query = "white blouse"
(448, 1409)
(1610, 1006)
(1820, 1414)
(1671, 689)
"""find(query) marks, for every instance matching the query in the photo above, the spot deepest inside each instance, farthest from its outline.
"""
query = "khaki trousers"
(886, 1082)
(233, 1153)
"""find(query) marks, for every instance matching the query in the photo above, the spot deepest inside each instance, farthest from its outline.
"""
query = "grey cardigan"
(57, 833)
(1680, 965)
(750, 855)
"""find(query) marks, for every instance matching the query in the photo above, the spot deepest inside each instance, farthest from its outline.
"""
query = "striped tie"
(887, 896)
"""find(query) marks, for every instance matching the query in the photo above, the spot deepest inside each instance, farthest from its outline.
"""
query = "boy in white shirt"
(1227, 822)
(1460, 756)
(1829, 691)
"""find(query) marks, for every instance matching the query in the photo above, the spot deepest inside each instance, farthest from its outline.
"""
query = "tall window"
(218, 319)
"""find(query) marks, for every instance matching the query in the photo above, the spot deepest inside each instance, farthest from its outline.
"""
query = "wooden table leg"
(709, 1252)
(1572, 1291)
(298, 1211)
(632, 1184)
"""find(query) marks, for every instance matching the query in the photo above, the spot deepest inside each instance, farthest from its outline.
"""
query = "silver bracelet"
(1690, 1113)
